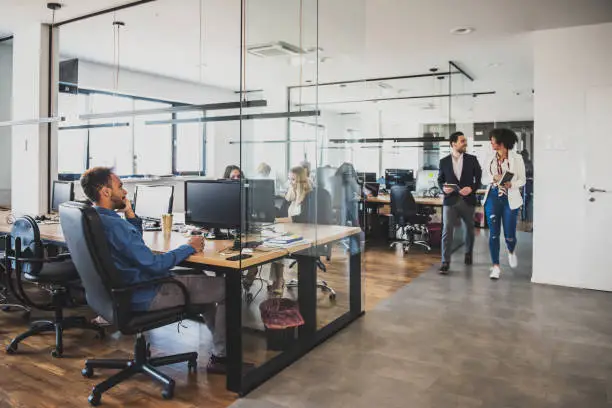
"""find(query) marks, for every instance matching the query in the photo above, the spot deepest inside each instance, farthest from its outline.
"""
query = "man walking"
(459, 177)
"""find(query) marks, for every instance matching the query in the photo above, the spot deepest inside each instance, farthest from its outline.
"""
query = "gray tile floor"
(461, 341)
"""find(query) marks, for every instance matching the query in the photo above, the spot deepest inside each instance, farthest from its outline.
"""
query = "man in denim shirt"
(137, 263)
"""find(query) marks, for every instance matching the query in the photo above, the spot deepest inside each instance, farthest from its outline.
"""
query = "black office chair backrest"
(26, 230)
(402, 202)
(323, 213)
(86, 240)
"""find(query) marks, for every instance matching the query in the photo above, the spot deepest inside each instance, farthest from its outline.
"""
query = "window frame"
(174, 139)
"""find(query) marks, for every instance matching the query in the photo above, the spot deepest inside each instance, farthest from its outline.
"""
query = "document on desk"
(281, 244)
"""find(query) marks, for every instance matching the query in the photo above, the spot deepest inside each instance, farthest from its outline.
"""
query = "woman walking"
(502, 201)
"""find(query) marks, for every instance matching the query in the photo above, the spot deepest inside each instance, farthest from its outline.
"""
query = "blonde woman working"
(298, 210)
(502, 202)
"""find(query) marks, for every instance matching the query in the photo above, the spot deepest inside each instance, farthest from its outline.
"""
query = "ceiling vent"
(275, 49)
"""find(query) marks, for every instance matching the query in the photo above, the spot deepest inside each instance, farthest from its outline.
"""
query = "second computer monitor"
(150, 202)
(213, 203)
(260, 201)
(402, 177)
(63, 191)
(367, 177)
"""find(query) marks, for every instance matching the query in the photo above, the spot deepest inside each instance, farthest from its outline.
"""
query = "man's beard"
(118, 203)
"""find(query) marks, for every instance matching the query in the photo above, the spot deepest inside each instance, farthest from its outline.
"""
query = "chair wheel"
(11, 349)
(168, 393)
(87, 372)
(94, 398)
(332, 297)
(56, 354)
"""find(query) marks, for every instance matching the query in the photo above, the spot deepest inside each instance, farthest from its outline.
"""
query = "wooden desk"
(212, 259)
(385, 199)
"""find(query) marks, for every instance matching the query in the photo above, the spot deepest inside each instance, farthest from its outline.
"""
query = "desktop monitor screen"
(63, 191)
(400, 177)
(150, 202)
(212, 203)
(260, 201)
(367, 177)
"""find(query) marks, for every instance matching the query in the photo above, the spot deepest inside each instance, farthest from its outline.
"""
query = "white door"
(597, 202)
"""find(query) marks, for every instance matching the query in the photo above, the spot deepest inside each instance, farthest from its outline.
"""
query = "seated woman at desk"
(298, 209)
(233, 172)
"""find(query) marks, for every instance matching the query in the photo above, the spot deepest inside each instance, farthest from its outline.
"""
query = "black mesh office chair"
(408, 222)
(110, 298)
(5, 300)
(317, 209)
(27, 258)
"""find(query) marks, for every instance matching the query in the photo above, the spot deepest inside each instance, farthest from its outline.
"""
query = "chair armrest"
(169, 279)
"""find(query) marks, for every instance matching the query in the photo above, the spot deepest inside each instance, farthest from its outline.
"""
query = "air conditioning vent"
(275, 49)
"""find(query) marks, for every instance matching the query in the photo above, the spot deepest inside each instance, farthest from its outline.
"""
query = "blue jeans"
(498, 212)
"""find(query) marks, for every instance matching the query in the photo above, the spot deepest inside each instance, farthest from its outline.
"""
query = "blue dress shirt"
(133, 258)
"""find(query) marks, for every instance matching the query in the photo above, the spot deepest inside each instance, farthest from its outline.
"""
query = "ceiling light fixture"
(462, 30)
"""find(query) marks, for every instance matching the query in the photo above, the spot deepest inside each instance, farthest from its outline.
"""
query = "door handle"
(597, 190)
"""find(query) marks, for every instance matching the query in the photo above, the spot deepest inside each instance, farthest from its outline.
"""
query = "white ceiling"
(360, 38)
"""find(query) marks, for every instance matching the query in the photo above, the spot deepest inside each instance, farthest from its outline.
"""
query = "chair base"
(141, 364)
(57, 326)
(406, 245)
(321, 284)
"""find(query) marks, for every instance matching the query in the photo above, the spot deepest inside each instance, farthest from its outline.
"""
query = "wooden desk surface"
(386, 199)
(216, 252)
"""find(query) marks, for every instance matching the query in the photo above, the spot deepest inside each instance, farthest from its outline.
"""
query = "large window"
(127, 144)
(190, 144)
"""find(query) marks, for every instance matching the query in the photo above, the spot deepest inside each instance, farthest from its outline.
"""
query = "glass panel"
(152, 144)
(190, 143)
(72, 143)
(112, 146)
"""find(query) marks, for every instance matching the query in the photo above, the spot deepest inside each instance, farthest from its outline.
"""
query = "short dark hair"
(454, 137)
(94, 179)
(229, 169)
(505, 137)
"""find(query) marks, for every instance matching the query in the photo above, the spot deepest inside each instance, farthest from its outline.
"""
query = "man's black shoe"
(444, 268)
(468, 259)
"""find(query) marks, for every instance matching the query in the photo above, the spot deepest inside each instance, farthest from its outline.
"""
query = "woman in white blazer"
(502, 202)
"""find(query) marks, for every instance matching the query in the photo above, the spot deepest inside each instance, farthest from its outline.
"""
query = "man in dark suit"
(459, 177)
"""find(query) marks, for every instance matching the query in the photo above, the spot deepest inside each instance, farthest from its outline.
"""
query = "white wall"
(568, 62)
(6, 84)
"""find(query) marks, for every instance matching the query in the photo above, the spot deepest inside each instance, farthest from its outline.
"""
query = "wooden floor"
(32, 378)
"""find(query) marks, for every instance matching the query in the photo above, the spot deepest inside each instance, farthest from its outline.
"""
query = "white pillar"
(30, 162)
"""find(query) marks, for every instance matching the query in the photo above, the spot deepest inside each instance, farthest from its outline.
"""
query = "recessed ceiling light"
(462, 30)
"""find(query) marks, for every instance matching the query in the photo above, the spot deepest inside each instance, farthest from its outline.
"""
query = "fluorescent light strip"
(101, 125)
(271, 141)
(174, 109)
(38, 121)
(275, 115)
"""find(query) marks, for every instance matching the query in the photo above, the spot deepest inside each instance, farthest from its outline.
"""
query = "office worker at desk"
(233, 172)
(459, 177)
(137, 263)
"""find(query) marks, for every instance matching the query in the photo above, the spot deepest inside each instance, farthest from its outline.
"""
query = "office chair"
(407, 219)
(317, 209)
(5, 304)
(28, 258)
(111, 298)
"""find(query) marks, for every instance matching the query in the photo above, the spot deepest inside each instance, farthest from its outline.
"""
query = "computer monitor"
(63, 191)
(213, 203)
(260, 201)
(367, 177)
(150, 202)
(402, 177)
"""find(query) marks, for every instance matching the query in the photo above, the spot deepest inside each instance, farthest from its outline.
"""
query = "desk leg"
(307, 295)
(356, 306)
(233, 319)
